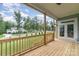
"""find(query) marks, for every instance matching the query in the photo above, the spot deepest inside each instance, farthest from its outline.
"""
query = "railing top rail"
(18, 38)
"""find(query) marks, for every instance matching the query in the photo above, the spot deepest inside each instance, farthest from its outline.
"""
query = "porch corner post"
(44, 29)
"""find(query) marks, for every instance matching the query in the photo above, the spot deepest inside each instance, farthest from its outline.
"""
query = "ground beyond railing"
(15, 46)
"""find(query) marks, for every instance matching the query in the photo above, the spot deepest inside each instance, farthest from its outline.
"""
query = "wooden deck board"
(56, 48)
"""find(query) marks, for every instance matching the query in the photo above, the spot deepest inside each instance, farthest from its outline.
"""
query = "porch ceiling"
(56, 11)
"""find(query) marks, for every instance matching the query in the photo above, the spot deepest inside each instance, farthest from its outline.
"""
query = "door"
(70, 30)
(62, 31)
(66, 31)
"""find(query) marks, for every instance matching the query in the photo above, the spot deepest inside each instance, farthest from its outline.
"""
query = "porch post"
(44, 29)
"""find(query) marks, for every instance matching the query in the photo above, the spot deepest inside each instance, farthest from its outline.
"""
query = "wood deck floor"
(56, 48)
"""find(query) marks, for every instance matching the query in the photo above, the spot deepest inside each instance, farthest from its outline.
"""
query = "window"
(62, 30)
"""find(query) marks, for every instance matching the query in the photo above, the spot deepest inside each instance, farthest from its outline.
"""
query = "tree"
(36, 23)
(52, 25)
(32, 24)
(18, 18)
(27, 24)
(2, 25)
(41, 25)
(47, 25)
(9, 25)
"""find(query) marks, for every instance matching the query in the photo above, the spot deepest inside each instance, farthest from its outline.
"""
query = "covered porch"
(56, 43)
(61, 46)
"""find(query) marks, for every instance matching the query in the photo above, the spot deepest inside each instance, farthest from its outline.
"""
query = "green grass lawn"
(18, 46)
(1, 35)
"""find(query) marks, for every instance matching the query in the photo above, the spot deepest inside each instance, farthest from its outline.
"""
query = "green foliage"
(8, 25)
(18, 18)
(35, 24)
(52, 25)
(32, 25)
(2, 25)
(27, 24)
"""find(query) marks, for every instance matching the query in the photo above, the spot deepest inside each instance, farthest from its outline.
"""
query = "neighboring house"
(14, 30)
(68, 28)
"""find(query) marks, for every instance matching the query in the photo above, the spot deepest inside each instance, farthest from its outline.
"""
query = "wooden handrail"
(20, 44)
(12, 39)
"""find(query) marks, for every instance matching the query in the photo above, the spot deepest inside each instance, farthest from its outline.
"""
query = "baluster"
(10, 47)
(13, 47)
(17, 46)
(1, 48)
(22, 44)
(6, 48)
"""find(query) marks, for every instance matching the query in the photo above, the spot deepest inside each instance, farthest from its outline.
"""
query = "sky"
(7, 11)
